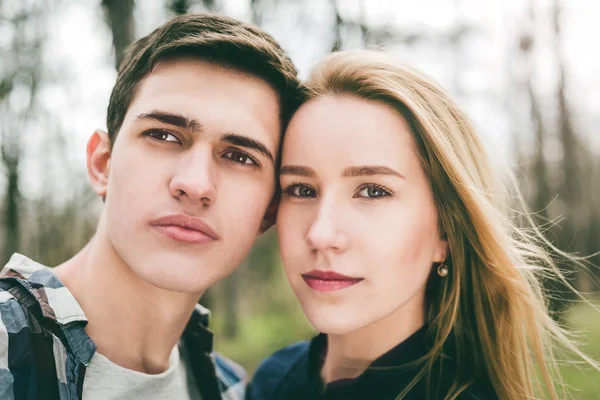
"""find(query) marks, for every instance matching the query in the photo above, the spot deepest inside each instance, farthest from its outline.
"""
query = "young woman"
(394, 241)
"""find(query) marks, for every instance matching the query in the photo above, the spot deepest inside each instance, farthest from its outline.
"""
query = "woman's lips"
(327, 281)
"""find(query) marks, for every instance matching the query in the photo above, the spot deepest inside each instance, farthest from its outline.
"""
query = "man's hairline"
(214, 61)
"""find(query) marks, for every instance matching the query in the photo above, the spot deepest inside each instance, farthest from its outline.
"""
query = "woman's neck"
(350, 354)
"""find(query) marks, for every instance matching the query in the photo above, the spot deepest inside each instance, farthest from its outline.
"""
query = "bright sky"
(79, 46)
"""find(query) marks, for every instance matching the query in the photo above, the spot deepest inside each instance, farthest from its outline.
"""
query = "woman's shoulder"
(284, 359)
(285, 368)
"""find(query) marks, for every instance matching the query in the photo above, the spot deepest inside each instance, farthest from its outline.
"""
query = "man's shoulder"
(20, 336)
(36, 311)
(14, 320)
(38, 289)
(21, 267)
(273, 374)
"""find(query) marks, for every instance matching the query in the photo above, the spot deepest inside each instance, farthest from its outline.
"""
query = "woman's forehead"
(347, 131)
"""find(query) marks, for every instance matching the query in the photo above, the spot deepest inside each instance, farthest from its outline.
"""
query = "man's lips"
(328, 281)
(185, 228)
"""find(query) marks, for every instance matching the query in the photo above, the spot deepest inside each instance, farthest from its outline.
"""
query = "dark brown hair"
(224, 41)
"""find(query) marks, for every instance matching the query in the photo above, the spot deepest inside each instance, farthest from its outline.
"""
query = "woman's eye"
(300, 191)
(373, 192)
(163, 136)
(240, 158)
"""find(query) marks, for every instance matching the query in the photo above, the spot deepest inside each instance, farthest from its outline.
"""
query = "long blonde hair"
(491, 303)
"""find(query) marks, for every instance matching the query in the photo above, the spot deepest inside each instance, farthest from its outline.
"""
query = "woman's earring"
(442, 269)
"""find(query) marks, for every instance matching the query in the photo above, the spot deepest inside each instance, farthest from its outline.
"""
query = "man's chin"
(177, 277)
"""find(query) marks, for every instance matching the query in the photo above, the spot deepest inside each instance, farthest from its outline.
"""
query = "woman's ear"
(98, 161)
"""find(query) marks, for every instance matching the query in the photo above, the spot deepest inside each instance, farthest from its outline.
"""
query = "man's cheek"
(251, 206)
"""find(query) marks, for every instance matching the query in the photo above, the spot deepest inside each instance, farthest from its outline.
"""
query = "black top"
(294, 373)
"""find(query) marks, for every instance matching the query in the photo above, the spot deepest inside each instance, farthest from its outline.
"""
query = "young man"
(187, 172)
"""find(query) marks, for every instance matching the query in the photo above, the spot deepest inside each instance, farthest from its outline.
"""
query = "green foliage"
(269, 316)
(582, 379)
(262, 334)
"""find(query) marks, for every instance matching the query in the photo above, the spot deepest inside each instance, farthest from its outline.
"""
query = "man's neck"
(134, 324)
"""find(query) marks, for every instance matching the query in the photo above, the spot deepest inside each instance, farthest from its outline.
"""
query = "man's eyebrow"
(178, 120)
(297, 170)
(370, 170)
(244, 141)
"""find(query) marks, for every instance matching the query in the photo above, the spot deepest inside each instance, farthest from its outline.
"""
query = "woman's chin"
(333, 323)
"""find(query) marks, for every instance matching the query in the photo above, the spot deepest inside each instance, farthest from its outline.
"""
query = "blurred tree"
(571, 188)
(337, 28)
(231, 298)
(211, 5)
(19, 87)
(256, 10)
(385, 36)
(577, 230)
(541, 196)
(179, 7)
(562, 204)
(55, 232)
(119, 16)
(35, 225)
(11, 156)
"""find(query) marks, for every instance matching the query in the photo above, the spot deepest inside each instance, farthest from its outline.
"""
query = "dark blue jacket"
(294, 374)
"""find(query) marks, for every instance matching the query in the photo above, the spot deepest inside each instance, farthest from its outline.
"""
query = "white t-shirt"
(105, 380)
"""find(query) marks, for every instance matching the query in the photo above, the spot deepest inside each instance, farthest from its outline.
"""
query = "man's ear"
(98, 161)
(270, 214)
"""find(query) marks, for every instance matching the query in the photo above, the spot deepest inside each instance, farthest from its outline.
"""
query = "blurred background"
(526, 71)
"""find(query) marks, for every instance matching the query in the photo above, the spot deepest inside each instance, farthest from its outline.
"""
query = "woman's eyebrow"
(369, 170)
(298, 170)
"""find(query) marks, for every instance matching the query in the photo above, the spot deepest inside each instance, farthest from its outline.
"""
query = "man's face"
(191, 173)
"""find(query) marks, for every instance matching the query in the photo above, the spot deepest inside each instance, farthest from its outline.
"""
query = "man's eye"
(297, 190)
(372, 192)
(240, 158)
(163, 136)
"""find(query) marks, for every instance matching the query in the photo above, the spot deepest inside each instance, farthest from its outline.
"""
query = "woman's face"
(357, 223)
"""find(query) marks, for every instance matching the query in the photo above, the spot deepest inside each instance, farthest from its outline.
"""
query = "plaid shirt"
(44, 350)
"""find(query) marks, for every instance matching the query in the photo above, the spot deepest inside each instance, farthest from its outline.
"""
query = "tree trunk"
(230, 289)
(337, 30)
(11, 244)
(25, 70)
(542, 192)
(119, 16)
(179, 7)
